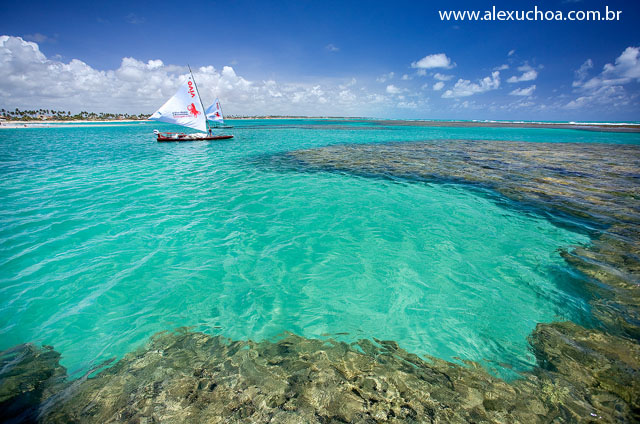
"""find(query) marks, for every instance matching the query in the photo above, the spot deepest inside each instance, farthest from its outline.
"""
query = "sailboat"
(185, 108)
(214, 113)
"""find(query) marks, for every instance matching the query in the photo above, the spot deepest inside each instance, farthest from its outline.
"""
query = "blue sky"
(325, 58)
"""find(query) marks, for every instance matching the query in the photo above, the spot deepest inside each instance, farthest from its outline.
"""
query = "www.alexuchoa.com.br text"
(534, 14)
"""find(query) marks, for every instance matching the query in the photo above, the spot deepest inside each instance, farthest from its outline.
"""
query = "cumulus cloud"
(438, 86)
(625, 69)
(439, 60)
(30, 79)
(392, 89)
(607, 88)
(442, 77)
(523, 91)
(627, 65)
(610, 96)
(464, 88)
(501, 67)
(528, 74)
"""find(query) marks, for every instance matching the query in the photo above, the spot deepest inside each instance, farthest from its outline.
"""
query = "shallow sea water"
(107, 237)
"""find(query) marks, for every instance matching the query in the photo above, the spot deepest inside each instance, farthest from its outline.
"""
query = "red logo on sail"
(191, 91)
(193, 111)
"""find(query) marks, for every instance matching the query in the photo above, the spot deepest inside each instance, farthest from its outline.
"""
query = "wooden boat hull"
(162, 138)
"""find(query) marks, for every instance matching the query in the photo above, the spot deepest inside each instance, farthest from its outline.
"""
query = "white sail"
(214, 112)
(184, 108)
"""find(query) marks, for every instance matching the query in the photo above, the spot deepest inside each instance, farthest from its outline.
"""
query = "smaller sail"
(184, 108)
(214, 112)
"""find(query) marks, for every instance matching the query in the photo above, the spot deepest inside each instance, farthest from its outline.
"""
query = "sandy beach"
(587, 126)
(53, 124)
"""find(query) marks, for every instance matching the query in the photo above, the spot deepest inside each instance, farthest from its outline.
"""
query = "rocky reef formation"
(28, 377)
(594, 187)
(192, 377)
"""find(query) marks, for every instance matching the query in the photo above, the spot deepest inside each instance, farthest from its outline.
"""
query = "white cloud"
(610, 96)
(407, 105)
(438, 86)
(385, 77)
(464, 88)
(376, 98)
(528, 74)
(523, 91)
(405, 77)
(392, 89)
(511, 52)
(501, 67)
(627, 65)
(582, 72)
(625, 69)
(421, 72)
(607, 87)
(439, 60)
(442, 77)
(31, 80)
(347, 96)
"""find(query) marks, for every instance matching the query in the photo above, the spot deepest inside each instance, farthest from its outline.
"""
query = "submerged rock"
(591, 367)
(193, 377)
(595, 185)
(28, 376)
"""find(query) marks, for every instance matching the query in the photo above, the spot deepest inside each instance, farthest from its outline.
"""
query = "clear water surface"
(107, 236)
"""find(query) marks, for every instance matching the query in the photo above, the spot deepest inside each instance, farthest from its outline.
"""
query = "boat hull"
(162, 138)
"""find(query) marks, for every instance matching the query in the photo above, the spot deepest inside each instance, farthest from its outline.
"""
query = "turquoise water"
(107, 236)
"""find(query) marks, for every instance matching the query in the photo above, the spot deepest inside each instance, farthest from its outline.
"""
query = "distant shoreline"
(588, 126)
(57, 123)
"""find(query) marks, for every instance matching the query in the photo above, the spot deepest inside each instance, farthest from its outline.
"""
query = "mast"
(203, 109)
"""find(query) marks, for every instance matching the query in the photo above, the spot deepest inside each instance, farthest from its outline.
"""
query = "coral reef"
(192, 377)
